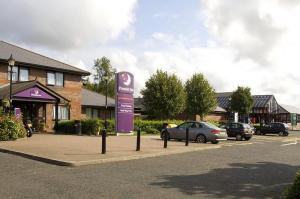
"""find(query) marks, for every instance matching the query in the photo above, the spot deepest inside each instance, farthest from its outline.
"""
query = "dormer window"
(55, 79)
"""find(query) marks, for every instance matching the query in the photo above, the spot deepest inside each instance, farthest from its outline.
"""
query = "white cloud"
(65, 24)
(265, 33)
(251, 43)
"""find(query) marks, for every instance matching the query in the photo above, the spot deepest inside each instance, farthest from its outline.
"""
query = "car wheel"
(200, 139)
(281, 133)
(258, 132)
(247, 138)
(215, 142)
(238, 137)
(165, 133)
(285, 134)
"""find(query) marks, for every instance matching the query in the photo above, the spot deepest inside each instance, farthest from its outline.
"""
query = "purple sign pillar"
(124, 102)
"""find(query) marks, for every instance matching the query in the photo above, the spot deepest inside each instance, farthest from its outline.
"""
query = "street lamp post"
(11, 63)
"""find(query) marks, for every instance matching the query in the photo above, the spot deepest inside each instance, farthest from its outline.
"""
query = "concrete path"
(73, 150)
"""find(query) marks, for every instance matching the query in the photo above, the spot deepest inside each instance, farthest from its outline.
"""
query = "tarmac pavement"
(73, 150)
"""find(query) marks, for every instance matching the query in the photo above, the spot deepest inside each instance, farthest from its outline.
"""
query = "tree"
(201, 97)
(164, 95)
(241, 100)
(102, 68)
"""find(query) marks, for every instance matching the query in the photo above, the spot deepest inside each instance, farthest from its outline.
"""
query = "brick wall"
(3, 73)
(215, 117)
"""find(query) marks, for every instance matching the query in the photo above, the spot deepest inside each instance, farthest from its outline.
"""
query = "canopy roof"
(20, 87)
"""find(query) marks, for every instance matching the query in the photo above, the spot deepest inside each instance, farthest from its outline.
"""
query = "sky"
(233, 43)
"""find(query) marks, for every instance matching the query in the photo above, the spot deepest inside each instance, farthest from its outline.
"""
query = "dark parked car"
(200, 132)
(238, 130)
(279, 128)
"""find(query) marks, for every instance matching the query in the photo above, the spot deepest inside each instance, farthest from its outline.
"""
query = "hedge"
(93, 126)
(293, 191)
(88, 126)
(153, 126)
(11, 128)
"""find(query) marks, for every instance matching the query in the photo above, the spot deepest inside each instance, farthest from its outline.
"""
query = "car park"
(279, 128)
(200, 132)
(238, 130)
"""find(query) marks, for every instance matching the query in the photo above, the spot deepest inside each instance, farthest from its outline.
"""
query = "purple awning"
(34, 93)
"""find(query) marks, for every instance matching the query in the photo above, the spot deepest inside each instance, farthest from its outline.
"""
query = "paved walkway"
(73, 150)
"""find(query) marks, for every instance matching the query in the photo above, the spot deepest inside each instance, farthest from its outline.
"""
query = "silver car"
(200, 132)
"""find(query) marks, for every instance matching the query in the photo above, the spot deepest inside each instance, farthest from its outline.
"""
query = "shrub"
(91, 126)
(110, 125)
(11, 128)
(150, 125)
(67, 126)
(294, 190)
(150, 130)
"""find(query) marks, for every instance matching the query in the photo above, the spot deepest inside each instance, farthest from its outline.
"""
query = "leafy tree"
(103, 68)
(164, 95)
(241, 100)
(201, 97)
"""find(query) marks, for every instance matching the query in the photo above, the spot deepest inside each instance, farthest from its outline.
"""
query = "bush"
(91, 126)
(294, 190)
(150, 130)
(11, 128)
(67, 126)
(110, 125)
(153, 126)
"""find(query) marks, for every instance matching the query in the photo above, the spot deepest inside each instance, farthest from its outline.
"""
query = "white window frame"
(63, 113)
(55, 81)
(20, 76)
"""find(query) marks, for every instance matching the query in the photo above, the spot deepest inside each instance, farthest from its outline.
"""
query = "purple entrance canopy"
(34, 93)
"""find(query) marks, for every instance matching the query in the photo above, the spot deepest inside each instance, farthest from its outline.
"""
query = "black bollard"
(187, 132)
(138, 140)
(165, 139)
(103, 141)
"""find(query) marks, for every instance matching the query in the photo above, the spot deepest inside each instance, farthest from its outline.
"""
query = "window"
(50, 78)
(186, 125)
(15, 74)
(24, 73)
(19, 74)
(95, 113)
(59, 79)
(92, 113)
(63, 112)
(55, 78)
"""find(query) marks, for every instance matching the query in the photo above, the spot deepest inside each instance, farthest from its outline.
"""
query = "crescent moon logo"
(127, 79)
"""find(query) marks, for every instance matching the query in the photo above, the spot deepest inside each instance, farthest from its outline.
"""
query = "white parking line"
(293, 143)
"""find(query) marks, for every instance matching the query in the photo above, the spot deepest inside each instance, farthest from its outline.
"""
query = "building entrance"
(33, 111)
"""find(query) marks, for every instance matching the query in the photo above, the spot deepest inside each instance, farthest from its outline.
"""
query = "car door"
(240, 129)
(231, 132)
(194, 130)
(180, 131)
(274, 128)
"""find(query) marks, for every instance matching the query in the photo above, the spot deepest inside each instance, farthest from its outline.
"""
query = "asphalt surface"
(259, 168)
